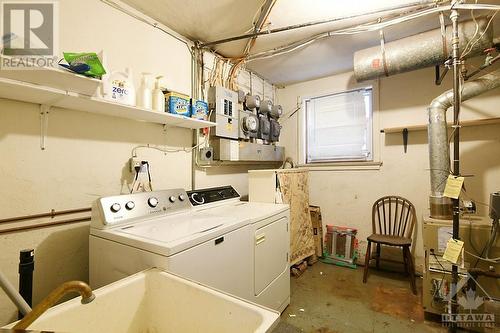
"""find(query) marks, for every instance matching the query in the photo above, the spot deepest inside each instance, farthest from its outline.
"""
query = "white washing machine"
(237, 247)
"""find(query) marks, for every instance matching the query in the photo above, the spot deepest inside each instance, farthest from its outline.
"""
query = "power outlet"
(206, 154)
(135, 162)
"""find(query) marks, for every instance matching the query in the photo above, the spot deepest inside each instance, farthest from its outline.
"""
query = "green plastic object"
(340, 260)
(96, 68)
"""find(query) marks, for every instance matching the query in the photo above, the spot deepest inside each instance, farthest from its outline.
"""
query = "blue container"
(178, 104)
(199, 110)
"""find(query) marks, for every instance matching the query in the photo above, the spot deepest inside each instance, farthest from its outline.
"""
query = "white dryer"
(240, 248)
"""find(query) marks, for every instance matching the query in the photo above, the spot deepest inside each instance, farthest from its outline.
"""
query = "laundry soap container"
(119, 87)
(145, 94)
(178, 104)
(199, 109)
(158, 96)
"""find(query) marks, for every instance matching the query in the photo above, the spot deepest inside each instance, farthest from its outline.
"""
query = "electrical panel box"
(224, 105)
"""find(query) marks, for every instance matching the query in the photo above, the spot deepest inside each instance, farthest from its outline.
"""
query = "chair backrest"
(393, 215)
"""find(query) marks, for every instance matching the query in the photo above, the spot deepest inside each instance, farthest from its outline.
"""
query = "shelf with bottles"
(75, 92)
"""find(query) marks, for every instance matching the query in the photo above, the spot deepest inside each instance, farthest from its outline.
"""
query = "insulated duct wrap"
(423, 50)
(439, 154)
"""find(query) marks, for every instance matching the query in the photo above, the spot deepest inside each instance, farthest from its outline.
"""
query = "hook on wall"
(405, 139)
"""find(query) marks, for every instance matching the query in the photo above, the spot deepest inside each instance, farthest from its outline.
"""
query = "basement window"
(339, 127)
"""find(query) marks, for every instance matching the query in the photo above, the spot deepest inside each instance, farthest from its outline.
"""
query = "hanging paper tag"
(453, 186)
(453, 250)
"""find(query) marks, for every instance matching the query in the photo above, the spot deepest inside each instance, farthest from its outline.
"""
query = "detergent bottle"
(158, 96)
(145, 95)
(119, 87)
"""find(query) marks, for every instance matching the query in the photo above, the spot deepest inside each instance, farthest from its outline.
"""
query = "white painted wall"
(346, 196)
(87, 154)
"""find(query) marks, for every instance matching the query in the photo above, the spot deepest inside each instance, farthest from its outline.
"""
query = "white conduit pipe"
(15, 297)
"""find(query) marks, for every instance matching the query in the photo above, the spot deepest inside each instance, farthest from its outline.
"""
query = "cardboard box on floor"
(317, 225)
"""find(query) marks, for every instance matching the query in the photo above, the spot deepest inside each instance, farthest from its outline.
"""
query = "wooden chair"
(393, 219)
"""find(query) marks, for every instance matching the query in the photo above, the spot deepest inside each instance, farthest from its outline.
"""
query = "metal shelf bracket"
(44, 124)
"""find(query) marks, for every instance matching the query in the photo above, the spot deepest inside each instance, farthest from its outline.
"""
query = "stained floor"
(333, 299)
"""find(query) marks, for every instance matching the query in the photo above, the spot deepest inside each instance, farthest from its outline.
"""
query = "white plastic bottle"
(145, 95)
(158, 96)
(119, 87)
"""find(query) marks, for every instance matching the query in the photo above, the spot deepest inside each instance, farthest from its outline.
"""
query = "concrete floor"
(333, 299)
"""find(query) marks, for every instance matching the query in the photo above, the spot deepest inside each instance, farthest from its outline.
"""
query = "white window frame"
(373, 163)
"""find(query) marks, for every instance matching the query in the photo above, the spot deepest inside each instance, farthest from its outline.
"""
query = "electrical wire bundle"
(373, 26)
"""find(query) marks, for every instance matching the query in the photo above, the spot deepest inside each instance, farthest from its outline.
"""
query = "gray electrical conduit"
(14, 296)
(344, 31)
(360, 29)
(267, 32)
(439, 156)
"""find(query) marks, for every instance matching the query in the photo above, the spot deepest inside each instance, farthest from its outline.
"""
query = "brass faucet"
(71, 286)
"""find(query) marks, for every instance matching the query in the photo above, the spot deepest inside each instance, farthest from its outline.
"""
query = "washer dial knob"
(182, 197)
(172, 199)
(198, 199)
(153, 202)
(130, 205)
(115, 207)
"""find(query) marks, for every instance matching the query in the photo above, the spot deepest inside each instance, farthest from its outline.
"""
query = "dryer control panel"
(209, 195)
(124, 208)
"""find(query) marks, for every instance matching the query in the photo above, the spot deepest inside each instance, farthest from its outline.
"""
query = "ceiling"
(217, 19)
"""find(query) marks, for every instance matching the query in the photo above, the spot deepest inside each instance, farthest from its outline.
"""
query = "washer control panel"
(209, 195)
(123, 208)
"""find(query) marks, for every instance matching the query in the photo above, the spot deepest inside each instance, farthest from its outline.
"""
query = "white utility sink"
(154, 301)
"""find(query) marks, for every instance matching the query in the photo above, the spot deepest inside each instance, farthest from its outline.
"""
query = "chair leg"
(378, 256)
(411, 269)
(405, 261)
(367, 260)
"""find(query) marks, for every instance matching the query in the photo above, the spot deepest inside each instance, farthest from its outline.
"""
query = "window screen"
(339, 127)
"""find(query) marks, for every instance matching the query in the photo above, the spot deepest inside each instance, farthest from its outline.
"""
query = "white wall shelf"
(54, 77)
(463, 123)
(43, 95)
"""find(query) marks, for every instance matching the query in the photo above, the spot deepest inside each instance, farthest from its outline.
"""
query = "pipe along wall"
(439, 152)
(424, 50)
(419, 51)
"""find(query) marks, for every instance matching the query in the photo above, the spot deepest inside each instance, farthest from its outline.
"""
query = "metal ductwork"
(423, 50)
(439, 156)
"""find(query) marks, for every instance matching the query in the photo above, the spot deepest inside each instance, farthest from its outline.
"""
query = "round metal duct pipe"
(418, 51)
(439, 153)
